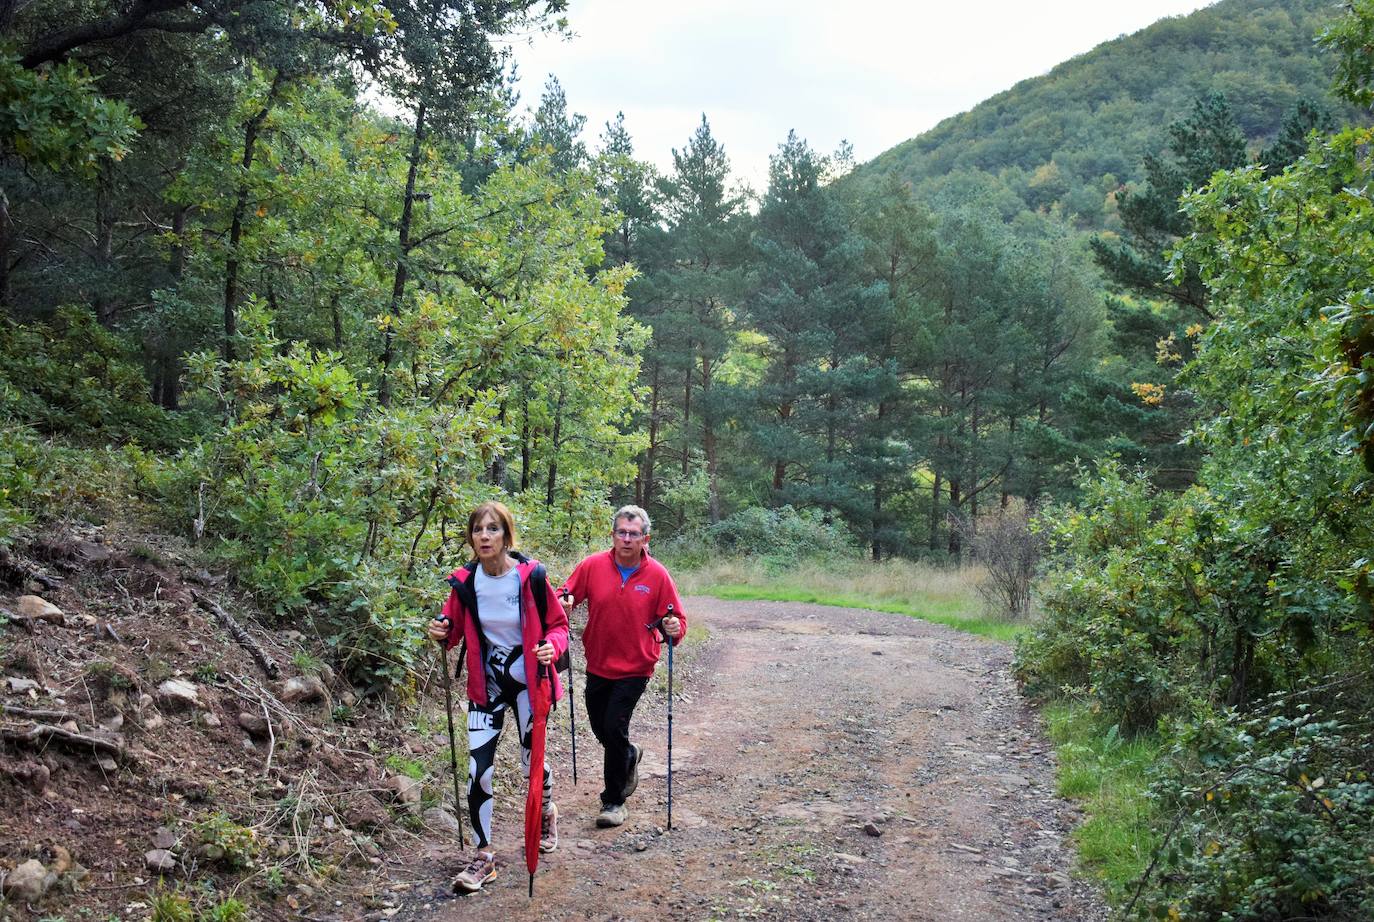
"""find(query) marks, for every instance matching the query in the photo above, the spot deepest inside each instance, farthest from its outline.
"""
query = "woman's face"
(488, 538)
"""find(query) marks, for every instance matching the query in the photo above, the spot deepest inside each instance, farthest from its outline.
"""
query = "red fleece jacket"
(617, 641)
(463, 627)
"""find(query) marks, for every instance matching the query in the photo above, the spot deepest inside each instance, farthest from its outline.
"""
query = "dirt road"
(797, 727)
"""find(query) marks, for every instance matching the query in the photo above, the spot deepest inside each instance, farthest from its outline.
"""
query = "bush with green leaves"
(1273, 813)
(223, 840)
(783, 535)
(1238, 616)
(71, 377)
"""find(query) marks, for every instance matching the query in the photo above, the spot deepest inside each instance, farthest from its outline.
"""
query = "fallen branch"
(244, 639)
(272, 745)
(36, 714)
(16, 572)
(46, 733)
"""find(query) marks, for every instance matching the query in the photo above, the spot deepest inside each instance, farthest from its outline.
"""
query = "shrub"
(1009, 549)
(70, 376)
(1274, 815)
(225, 841)
(781, 536)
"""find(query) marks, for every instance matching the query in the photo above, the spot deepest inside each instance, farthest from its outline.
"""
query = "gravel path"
(800, 732)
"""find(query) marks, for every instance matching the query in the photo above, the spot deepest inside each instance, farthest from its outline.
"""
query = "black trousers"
(610, 705)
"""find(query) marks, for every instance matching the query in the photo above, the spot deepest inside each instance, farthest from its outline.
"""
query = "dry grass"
(944, 595)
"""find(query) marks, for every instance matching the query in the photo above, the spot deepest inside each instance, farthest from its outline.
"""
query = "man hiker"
(626, 590)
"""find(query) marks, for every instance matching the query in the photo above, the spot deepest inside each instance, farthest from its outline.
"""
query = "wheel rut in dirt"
(828, 763)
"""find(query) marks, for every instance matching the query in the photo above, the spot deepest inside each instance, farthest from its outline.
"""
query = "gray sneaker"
(611, 815)
(481, 871)
(632, 782)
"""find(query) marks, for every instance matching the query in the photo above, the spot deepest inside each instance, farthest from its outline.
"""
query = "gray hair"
(632, 512)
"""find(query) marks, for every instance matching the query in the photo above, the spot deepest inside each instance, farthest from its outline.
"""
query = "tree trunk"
(337, 320)
(524, 450)
(104, 305)
(6, 238)
(398, 286)
(708, 443)
(651, 450)
(498, 464)
(954, 547)
(878, 493)
(553, 450)
(686, 419)
(933, 538)
(231, 264)
(877, 517)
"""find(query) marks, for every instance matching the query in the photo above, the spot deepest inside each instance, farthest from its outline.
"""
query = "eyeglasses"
(624, 535)
(488, 530)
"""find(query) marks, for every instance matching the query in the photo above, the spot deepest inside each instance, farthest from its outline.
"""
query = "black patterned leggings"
(505, 670)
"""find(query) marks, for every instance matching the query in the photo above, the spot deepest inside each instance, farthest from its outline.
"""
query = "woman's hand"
(544, 653)
(438, 629)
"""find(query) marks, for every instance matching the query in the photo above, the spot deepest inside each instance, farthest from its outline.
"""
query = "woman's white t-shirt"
(498, 607)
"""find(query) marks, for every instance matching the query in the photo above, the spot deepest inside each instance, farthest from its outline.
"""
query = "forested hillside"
(1072, 137)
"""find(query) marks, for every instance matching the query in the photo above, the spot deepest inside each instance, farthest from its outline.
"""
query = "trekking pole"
(663, 633)
(452, 740)
(572, 698)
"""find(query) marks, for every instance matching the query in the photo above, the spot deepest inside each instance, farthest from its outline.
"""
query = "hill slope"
(1074, 134)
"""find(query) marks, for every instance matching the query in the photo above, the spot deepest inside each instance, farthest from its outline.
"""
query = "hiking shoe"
(632, 782)
(548, 829)
(611, 815)
(481, 871)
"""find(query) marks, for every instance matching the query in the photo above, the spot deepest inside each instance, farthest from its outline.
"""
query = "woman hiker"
(492, 609)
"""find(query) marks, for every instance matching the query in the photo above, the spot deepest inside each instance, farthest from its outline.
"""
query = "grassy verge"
(972, 624)
(944, 596)
(1108, 776)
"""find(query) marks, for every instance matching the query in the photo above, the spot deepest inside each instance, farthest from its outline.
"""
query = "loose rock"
(160, 861)
(304, 690)
(36, 608)
(178, 695)
(27, 883)
(406, 791)
(442, 820)
(254, 724)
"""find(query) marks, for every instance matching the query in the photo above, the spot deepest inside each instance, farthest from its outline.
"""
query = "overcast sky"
(873, 73)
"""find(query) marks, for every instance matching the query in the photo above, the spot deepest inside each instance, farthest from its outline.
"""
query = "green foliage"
(69, 376)
(781, 536)
(1275, 813)
(1236, 616)
(171, 906)
(227, 842)
(402, 765)
(54, 118)
(229, 910)
(1070, 139)
(1351, 38)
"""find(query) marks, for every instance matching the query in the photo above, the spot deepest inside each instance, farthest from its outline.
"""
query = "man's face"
(629, 540)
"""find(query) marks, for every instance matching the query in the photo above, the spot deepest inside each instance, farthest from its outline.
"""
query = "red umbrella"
(541, 692)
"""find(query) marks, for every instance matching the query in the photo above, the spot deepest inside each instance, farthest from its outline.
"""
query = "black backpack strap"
(539, 588)
(467, 593)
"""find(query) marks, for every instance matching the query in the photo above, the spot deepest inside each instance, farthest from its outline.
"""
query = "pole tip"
(531, 885)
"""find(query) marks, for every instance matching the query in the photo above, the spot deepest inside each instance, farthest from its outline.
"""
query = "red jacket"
(617, 641)
(461, 626)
